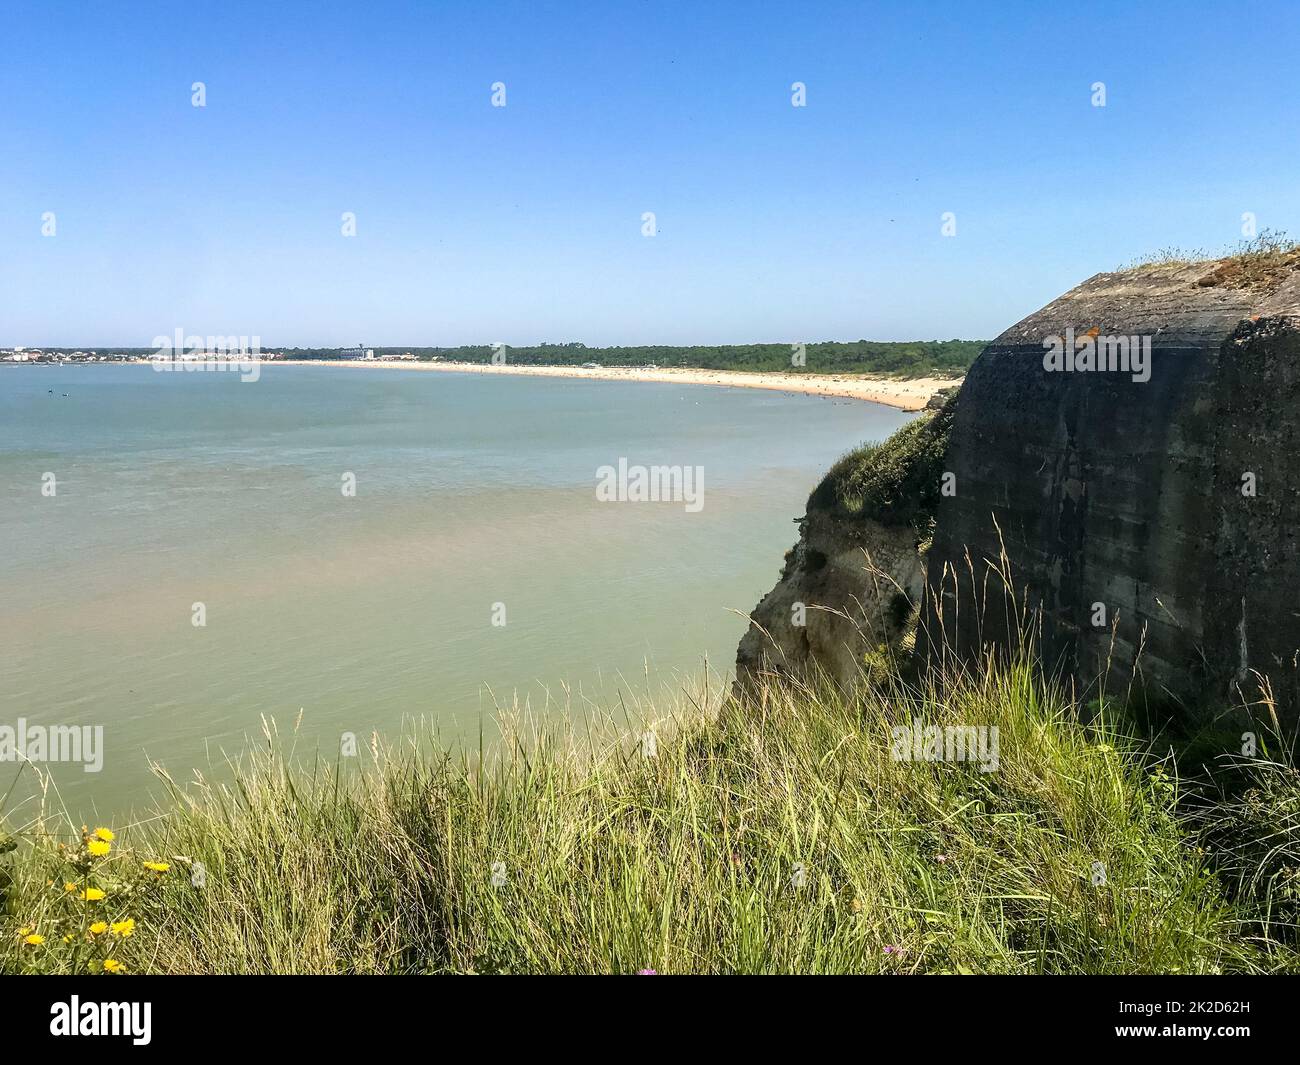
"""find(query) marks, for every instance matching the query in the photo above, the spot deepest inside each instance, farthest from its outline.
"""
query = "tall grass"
(1267, 245)
(777, 835)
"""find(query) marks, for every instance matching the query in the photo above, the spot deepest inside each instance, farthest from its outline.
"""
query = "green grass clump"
(896, 482)
(1249, 816)
(1269, 252)
(773, 836)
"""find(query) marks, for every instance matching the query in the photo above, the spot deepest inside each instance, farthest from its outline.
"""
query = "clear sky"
(523, 223)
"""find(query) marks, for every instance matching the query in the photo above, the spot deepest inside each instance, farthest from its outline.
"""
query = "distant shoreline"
(904, 394)
(909, 394)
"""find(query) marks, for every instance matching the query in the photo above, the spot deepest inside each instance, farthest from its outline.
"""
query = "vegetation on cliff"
(1259, 264)
(896, 482)
(783, 835)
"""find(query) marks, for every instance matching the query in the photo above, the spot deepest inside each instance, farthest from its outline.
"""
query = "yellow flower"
(158, 867)
(112, 965)
(24, 930)
(69, 886)
(98, 847)
(124, 928)
(99, 928)
(67, 939)
(34, 940)
(106, 834)
(92, 894)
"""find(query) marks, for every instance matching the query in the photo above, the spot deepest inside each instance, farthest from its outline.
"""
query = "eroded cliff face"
(845, 593)
(848, 595)
(1148, 517)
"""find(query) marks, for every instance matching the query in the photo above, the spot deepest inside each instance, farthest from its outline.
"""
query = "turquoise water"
(367, 611)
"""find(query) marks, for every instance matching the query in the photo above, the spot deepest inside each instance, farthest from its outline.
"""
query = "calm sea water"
(368, 611)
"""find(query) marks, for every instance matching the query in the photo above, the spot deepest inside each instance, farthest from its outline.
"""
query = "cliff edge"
(850, 590)
(1130, 451)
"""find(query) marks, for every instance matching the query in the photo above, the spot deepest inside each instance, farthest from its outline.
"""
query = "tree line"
(913, 358)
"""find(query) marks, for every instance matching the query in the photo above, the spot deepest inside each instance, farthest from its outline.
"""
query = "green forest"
(913, 358)
(910, 358)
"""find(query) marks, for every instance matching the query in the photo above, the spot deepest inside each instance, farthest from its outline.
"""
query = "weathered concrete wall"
(1254, 587)
(1149, 527)
(1109, 490)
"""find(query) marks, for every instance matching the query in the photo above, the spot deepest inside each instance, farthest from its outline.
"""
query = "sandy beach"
(910, 394)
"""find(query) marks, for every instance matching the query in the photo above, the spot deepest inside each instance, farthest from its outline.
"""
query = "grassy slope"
(684, 862)
(688, 861)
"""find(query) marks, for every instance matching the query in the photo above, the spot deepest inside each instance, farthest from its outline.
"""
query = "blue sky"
(522, 224)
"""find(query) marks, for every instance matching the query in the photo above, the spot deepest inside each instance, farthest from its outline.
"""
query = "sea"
(185, 556)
